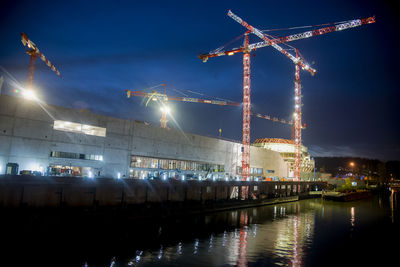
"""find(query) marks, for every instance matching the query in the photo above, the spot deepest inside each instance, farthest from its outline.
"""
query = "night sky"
(102, 48)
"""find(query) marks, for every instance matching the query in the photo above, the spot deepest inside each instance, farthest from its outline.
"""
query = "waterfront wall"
(40, 192)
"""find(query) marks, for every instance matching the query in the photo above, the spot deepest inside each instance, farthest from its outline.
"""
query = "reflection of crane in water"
(244, 217)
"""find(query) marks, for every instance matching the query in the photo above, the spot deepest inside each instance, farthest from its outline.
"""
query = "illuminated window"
(172, 164)
(74, 127)
(256, 170)
(69, 155)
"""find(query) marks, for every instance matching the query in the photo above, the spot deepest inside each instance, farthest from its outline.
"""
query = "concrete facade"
(28, 138)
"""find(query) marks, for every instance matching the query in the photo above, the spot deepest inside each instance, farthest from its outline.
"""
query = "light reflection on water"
(303, 233)
(283, 233)
(280, 235)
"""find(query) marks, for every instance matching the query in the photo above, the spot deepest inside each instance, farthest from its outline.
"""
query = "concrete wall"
(27, 138)
(28, 191)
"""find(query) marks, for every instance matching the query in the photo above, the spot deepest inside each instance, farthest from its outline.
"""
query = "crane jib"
(196, 100)
(188, 99)
(338, 27)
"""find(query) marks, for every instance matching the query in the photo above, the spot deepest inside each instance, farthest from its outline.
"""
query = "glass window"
(74, 127)
(171, 164)
(69, 155)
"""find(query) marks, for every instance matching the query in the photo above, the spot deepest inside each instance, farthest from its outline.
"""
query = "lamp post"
(352, 164)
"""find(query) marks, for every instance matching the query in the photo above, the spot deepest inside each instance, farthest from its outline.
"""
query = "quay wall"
(46, 191)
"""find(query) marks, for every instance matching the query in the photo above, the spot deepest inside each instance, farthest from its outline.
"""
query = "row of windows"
(172, 164)
(288, 155)
(68, 126)
(254, 171)
(69, 155)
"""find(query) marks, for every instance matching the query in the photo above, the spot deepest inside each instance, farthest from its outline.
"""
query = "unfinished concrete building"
(55, 140)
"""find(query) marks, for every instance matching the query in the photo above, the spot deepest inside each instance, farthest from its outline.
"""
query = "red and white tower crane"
(247, 48)
(34, 52)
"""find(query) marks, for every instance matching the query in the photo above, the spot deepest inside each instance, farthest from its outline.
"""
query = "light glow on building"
(286, 148)
(68, 126)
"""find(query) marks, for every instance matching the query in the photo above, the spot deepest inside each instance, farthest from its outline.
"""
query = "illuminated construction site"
(80, 143)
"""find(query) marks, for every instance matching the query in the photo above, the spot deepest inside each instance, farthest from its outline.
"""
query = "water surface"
(310, 232)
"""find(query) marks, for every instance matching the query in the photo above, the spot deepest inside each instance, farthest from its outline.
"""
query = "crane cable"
(225, 45)
(201, 94)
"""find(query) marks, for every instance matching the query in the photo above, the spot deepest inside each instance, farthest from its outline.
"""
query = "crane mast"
(297, 122)
(246, 110)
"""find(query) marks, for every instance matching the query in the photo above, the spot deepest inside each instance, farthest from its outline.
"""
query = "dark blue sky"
(102, 48)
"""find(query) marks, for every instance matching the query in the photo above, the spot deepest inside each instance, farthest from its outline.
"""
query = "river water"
(310, 232)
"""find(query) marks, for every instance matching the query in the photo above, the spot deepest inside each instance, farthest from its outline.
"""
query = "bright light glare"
(165, 109)
(119, 175)
(29, 94)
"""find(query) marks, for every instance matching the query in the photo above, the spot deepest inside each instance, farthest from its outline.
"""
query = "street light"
(352, 164)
